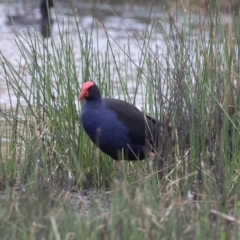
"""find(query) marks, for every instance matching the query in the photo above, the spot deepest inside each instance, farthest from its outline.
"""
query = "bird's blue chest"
(103, 126)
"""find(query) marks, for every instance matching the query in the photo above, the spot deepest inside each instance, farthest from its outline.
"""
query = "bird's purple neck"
(93, 103)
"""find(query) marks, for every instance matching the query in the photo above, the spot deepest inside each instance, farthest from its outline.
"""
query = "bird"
(117, 127)
(45, 22)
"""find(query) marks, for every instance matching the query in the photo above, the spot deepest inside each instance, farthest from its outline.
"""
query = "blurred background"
(125, 22)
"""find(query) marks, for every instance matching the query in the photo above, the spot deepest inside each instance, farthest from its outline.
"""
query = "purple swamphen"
(117, 127)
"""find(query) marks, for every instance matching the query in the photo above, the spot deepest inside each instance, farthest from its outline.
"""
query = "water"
(123, 22)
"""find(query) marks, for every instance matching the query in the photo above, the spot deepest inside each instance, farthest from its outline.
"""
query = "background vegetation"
(56, 185)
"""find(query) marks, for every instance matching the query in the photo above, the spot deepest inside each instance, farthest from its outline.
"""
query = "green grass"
(191, 85)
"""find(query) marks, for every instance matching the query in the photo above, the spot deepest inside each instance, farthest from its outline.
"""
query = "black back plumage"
(141, 127)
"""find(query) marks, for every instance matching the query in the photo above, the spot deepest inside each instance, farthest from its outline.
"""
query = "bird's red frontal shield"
(84, 92)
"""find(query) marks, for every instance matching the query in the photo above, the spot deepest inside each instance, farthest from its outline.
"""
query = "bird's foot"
(152, 155)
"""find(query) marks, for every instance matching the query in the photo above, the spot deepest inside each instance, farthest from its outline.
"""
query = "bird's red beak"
(83, 94)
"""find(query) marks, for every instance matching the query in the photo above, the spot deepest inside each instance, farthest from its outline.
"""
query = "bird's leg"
(119, 165)
(120, 177)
